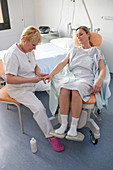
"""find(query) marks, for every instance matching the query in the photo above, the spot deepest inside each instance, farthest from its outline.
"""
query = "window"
(4, 15)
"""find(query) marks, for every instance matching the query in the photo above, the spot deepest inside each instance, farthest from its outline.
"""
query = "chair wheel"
(99, 111)
(92, 138)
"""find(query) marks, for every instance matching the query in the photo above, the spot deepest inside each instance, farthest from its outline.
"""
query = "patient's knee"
(65, 92)
(75, 93)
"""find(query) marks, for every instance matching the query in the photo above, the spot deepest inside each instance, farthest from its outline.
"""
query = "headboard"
(95, 38)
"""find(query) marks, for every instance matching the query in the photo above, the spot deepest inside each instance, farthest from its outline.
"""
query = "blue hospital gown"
(81, 64)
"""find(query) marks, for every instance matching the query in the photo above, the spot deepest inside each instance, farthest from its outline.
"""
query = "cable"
(60, 14)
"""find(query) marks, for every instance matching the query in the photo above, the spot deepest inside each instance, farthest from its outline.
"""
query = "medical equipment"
(44, 29)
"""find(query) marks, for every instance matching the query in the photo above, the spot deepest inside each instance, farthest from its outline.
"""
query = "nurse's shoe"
(56, 145)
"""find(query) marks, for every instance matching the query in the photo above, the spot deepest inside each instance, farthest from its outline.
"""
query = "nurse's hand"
(37, 79)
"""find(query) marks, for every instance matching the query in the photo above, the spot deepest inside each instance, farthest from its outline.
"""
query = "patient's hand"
(42, 75)
(97, 86)
(47, 77)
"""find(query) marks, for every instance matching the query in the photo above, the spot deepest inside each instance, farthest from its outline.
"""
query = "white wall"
(47, 12)
(21, 14)
(57, 14)
(51, 12)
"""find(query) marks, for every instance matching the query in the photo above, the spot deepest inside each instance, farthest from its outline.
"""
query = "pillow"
(66, 43)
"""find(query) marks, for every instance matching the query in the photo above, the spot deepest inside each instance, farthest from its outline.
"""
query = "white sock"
(63, 126)
(73, 129)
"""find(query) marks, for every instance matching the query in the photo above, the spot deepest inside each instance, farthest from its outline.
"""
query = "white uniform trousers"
(25, 96)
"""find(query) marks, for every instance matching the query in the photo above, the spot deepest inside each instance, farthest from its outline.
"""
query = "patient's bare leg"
(64, 104)
(64, 101)
(76, 106)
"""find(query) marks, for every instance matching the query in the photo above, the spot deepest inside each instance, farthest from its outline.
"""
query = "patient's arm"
(57, 68)
(98, 83)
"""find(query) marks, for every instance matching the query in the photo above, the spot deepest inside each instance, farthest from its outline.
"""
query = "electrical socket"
(107, 17)
(72, 0)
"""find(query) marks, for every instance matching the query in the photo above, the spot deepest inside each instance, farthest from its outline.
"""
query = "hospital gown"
(81, 65)
(77, 75)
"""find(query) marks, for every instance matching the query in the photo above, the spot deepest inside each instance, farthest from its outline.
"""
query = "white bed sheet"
(48, 50)
(48, 56)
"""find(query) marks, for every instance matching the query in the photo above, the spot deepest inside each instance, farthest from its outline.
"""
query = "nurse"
(23, 78)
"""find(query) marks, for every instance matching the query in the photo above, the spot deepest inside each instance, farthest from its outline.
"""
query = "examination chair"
(87, 108)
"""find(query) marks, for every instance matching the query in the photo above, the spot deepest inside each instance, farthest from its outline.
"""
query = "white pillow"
(66, 43)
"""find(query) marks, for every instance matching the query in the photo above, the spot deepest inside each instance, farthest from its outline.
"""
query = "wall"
(57, 14)
(47, 12)
(21, 14)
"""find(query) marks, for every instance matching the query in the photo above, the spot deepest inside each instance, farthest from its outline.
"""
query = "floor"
(15, 152)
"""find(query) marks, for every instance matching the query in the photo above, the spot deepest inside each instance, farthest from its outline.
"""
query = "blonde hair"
(31, 33)
(86, 29)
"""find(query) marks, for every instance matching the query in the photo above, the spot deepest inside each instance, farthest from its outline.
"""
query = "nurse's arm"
(12, 79)
(38, 72)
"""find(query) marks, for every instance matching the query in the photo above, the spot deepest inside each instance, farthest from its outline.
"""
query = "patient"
(83, 62)
(23, 78)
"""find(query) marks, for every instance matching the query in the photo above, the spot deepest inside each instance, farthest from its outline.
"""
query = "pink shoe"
(57, 146)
